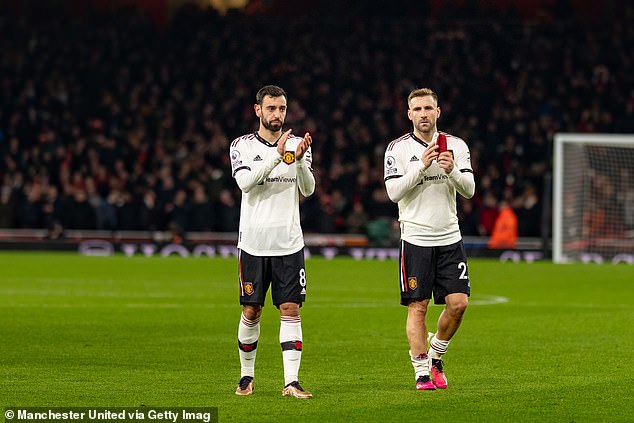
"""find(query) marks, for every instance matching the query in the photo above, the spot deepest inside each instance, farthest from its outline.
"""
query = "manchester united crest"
(289, 157)
(412, 283)
(248, 288)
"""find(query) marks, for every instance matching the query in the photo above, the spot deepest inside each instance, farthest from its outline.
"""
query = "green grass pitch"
(539, 342)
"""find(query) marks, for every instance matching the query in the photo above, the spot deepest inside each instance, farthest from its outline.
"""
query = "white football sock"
(291, 342)
(248, 334)
(421, 365)
(437, 348)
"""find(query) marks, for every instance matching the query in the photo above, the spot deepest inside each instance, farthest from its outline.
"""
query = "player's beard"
(273, 127)
(427, 128)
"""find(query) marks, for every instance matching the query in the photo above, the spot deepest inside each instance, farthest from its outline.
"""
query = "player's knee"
(289, 309)
(462, 307)
(252, 312)
(419, 307)
(458, 305)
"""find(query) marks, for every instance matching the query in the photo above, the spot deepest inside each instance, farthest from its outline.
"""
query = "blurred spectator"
(106, 212)
(80, 214)
(594, 223)
(51, 207)
(28, 211)
(177, 211)
(128, 217)
(488, 214)
(504, 234)
(326, 215)
(380, 206)
(201, 214)
(468, 217)
(528, 213)
(228, 212)
(149, 214)
(357, 220)
(7, 207)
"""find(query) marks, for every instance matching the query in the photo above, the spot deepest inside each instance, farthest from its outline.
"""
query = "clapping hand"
(303, 146)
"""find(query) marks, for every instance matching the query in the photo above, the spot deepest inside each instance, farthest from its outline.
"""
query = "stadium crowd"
(112, 122)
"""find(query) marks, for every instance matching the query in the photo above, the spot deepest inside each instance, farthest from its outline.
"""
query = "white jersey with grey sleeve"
(427, 197)
(270, 185)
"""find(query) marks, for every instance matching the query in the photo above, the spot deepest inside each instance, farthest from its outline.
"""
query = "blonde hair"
(422, 92)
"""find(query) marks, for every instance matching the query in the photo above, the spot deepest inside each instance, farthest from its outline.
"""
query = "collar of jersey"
(418, 140)
(265, 142)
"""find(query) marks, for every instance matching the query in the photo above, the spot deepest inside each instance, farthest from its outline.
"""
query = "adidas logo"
(257, 158)
(413, 159)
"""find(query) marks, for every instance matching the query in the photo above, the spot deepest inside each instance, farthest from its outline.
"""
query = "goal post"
(593, 198)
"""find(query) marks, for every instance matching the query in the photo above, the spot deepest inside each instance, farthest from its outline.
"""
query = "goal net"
(593, 207)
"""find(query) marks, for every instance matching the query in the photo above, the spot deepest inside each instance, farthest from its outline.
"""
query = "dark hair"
(272, 90)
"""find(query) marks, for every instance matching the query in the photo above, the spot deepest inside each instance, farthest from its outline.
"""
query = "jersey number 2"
(463, 267)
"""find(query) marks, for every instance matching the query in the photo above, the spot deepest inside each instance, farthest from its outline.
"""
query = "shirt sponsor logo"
(435, 178)
(289, 157)
(282, 180)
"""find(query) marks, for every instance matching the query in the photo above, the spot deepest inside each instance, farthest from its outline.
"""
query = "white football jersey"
(269, 214)
(427, 211)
